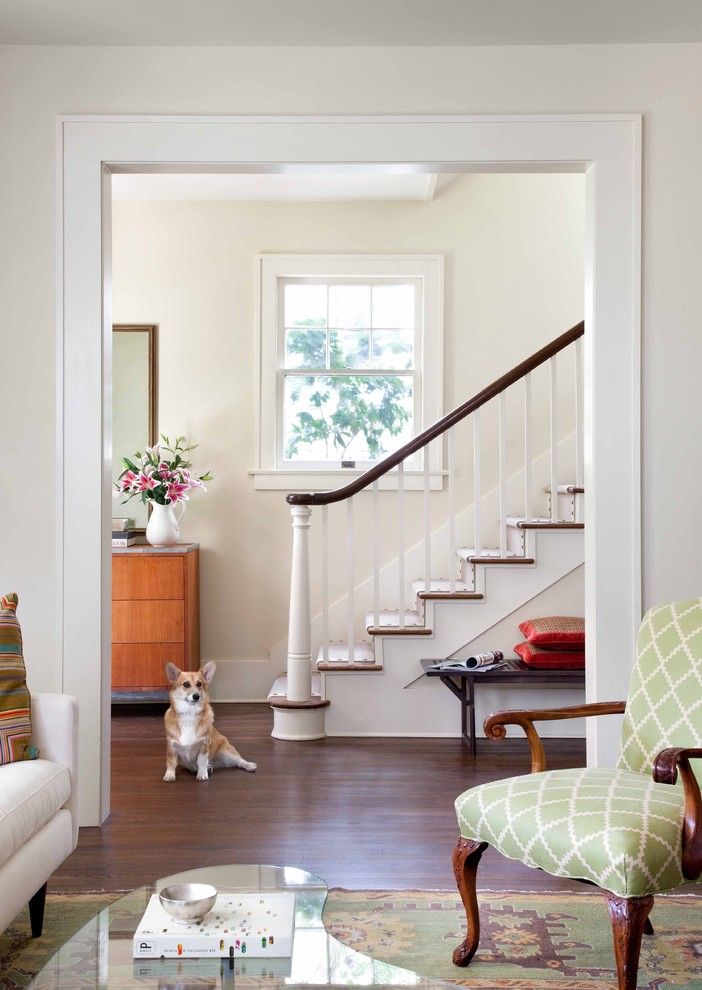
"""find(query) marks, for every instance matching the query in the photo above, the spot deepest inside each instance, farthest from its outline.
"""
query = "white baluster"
(451, 511)
(376, 555)
(325, 583)
(553, 419)
(351, 618)
(477, 539)
(527, 447)
(401, 542)
(299, 632)
(578, 412)
(502, 429)
(427, 522)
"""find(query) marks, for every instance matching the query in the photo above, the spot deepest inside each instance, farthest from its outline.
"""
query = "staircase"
(372, 684)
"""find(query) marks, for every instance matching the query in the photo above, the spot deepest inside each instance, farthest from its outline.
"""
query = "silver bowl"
(188, 903)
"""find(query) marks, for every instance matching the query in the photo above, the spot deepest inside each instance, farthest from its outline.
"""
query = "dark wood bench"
(462, 683)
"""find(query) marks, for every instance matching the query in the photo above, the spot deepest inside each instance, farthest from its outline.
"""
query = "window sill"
(322, 481)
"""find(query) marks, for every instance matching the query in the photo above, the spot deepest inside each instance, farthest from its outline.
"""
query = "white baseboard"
(247, 680)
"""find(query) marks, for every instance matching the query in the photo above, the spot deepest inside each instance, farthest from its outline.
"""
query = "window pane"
(393, 306)
(305, 348)
(393, 349)
(305, 305)
(349, 348)
(348, 417)
(349, 306)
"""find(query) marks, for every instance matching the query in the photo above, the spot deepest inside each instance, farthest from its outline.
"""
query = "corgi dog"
(191, 738)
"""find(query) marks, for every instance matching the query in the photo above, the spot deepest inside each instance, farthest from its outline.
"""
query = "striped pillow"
(15, 725)
(555, 630)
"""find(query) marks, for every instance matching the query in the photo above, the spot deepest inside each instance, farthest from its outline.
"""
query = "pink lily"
(144, 483)
(176, 492)
(126, 481)
(192, 480)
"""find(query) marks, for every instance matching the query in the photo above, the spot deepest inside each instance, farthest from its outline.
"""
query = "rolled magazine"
(491, 658)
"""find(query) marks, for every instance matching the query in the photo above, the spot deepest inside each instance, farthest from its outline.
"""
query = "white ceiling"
(348, 22)
(286, 187)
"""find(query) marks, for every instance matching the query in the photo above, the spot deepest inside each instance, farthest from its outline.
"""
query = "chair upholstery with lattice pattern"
(635, 830)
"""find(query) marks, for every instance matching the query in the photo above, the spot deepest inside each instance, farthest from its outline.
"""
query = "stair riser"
(565, 506)
(467, 574)
(517, 541)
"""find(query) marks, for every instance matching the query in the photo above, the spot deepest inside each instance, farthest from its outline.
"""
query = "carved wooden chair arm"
(494, 725)
(666, 767)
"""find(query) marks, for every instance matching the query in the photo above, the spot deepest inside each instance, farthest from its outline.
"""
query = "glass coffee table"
(100, 954)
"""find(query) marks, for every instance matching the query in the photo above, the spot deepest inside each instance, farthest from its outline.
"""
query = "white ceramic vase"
(163, 527)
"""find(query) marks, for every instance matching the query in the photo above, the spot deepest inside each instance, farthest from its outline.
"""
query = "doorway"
(94, 149)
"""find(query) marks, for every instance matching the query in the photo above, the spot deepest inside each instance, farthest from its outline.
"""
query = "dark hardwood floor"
(361, 813)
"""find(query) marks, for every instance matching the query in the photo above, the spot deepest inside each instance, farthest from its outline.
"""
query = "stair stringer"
(401, 702)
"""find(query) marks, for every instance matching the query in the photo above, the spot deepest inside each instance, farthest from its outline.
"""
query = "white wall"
(513, 247)
(662, 81)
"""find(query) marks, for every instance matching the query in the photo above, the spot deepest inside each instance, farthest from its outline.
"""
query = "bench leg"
(36, 911)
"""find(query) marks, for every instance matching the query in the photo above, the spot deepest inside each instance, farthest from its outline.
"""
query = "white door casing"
(89, 148)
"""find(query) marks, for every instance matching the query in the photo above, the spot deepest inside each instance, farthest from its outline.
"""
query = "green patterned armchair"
(636, 830)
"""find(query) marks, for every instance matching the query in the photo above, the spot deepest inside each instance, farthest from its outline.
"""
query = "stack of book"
(123, 532)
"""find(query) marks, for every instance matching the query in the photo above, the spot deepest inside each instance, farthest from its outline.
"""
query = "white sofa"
(38, 818)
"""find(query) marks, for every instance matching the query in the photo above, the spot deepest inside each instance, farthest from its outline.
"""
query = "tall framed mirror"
(134, 403)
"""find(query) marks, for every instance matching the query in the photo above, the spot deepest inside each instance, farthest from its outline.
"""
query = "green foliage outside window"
(342, 408)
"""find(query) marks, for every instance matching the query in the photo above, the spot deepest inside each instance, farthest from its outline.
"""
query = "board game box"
(239, 925)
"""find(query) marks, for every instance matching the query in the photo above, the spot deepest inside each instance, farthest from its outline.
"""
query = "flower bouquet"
(163, 477)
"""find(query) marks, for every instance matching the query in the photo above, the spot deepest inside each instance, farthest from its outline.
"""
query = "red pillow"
(563, 659)
(556, 630)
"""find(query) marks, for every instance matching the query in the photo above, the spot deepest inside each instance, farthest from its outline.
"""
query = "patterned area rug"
(556, 941)
(529, 941)
(21, 956)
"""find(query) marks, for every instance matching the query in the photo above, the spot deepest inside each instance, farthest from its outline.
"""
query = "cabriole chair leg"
(466, 857)
(628, 916)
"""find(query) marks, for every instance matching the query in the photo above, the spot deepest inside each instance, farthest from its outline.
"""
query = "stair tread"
(391, 617)
(441, 588)
(389, 623)
(338, 654)
(519, 522)
(345, 667)
(491, 555)
(277, 696)
(570, 489)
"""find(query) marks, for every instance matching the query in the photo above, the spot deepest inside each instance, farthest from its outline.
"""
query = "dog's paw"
(169, 776)
(203, 775)
(249, 767)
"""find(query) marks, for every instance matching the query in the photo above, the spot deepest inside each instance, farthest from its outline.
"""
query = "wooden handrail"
(436, 429)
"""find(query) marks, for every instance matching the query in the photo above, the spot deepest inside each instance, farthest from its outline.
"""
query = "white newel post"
(299, 716)
(299, 628)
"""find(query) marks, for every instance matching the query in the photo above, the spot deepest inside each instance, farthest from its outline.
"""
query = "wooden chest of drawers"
(155, 615)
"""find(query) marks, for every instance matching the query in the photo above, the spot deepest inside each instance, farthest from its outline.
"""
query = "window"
(350, 361)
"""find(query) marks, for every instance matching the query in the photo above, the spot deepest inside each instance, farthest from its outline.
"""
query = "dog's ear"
(172, 672)
(208, 671)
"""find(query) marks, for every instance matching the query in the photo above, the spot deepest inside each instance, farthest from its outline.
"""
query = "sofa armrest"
(55, 732)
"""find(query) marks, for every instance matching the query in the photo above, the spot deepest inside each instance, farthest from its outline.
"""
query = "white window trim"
(429, 269)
